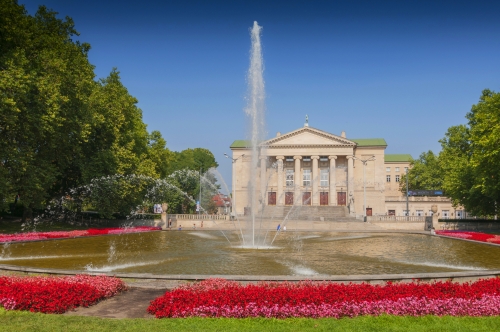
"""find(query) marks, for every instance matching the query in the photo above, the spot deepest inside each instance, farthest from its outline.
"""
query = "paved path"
(130, 304)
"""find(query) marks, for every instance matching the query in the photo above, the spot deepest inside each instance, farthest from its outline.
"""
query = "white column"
(315, 178)
(297, 181)
(350, 185)
(332, 196)
(280, 200)
(263, 179)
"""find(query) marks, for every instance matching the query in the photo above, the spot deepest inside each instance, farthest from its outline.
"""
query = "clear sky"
(401, 70)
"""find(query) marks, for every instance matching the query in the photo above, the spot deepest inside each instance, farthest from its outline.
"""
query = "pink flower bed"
(476, 236)
(33, 236)
(56, 294)
(221, 298)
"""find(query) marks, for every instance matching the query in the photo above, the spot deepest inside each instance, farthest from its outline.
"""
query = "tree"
(45, 80)
(118, 142)
(470, 158)
(484, 123)
(425, 173)
(60, 129)
(195, 159)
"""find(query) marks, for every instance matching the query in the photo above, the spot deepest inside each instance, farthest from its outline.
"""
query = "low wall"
(480, 226)
(191, 221)
(400, 225)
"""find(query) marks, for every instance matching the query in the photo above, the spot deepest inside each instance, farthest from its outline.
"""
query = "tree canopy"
(425, 173)
(468, 166)
(60, 127)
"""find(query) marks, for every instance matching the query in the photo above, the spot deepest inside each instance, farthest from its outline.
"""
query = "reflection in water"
(303, 254)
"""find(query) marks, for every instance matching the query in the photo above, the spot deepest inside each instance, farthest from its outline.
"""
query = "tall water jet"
(255, 111)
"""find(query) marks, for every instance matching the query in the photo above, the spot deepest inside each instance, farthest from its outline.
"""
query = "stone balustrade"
(417, 199)
(199, 216)
(396, 218)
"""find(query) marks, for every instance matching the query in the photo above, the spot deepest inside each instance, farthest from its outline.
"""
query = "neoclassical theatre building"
(312, 167)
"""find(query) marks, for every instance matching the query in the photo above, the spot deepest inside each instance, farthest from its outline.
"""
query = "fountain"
(193, 254)
(255, 111)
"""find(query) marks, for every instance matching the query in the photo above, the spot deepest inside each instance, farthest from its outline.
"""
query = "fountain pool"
(301, 254)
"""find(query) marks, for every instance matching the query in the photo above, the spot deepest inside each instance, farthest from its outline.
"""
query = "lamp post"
(233, 200)
(198, 205)
(364, 161)
(407, 205)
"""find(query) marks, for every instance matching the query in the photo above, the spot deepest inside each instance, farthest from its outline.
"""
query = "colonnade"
(315, 180)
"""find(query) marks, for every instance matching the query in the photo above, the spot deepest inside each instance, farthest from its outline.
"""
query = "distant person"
(202, 224)
(278, 228)
(284, 228)
(194, 226)
(180, 227)
(169, 223)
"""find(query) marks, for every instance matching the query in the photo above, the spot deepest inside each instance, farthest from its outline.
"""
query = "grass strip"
(27, 321)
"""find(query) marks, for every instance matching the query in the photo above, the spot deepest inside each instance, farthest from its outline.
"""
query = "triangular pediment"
(308, 136)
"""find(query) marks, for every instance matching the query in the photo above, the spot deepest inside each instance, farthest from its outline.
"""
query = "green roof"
(241, 143)
(369, 141)
(395, 158)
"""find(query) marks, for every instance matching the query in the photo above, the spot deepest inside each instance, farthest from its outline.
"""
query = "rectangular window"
(431, 213)
(306, 178)
(289, 177)
(392, 212)
(397, 169)
(387, 169)
(406, 213)
(388, 178)
(420, 213)
(324, 177)
(306, 158)
(397, 178)
(445, 214)
(406, 169)
(323, 158)
(289, 158)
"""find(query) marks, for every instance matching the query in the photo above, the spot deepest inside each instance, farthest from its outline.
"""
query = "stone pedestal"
(163, 224)
(435, 223)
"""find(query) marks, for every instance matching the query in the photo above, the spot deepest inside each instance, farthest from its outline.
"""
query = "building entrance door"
(271, 198)
(289, 198)
(341, 198)
(306, 198)
(323, 198)
(368, 212)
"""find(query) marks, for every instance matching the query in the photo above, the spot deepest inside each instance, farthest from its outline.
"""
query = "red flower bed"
(33, 236)
(476, 236)
(56, 294)
(220, 298)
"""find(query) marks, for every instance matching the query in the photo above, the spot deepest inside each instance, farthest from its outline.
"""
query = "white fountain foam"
(305, 237)
(108, 268)
(447, 266)
(44, 257)
(303, 271)
(261, 247)
(203, 235)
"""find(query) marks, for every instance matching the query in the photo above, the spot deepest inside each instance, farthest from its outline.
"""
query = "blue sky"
(401, 70)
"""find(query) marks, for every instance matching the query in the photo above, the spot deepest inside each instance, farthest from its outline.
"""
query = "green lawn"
(26, 321)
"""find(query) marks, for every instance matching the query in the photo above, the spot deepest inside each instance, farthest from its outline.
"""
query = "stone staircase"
(313, 213)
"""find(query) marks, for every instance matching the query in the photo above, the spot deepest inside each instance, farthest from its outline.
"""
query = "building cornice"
(343, 141)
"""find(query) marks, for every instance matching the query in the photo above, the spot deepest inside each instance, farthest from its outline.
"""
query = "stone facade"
(311, 167)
